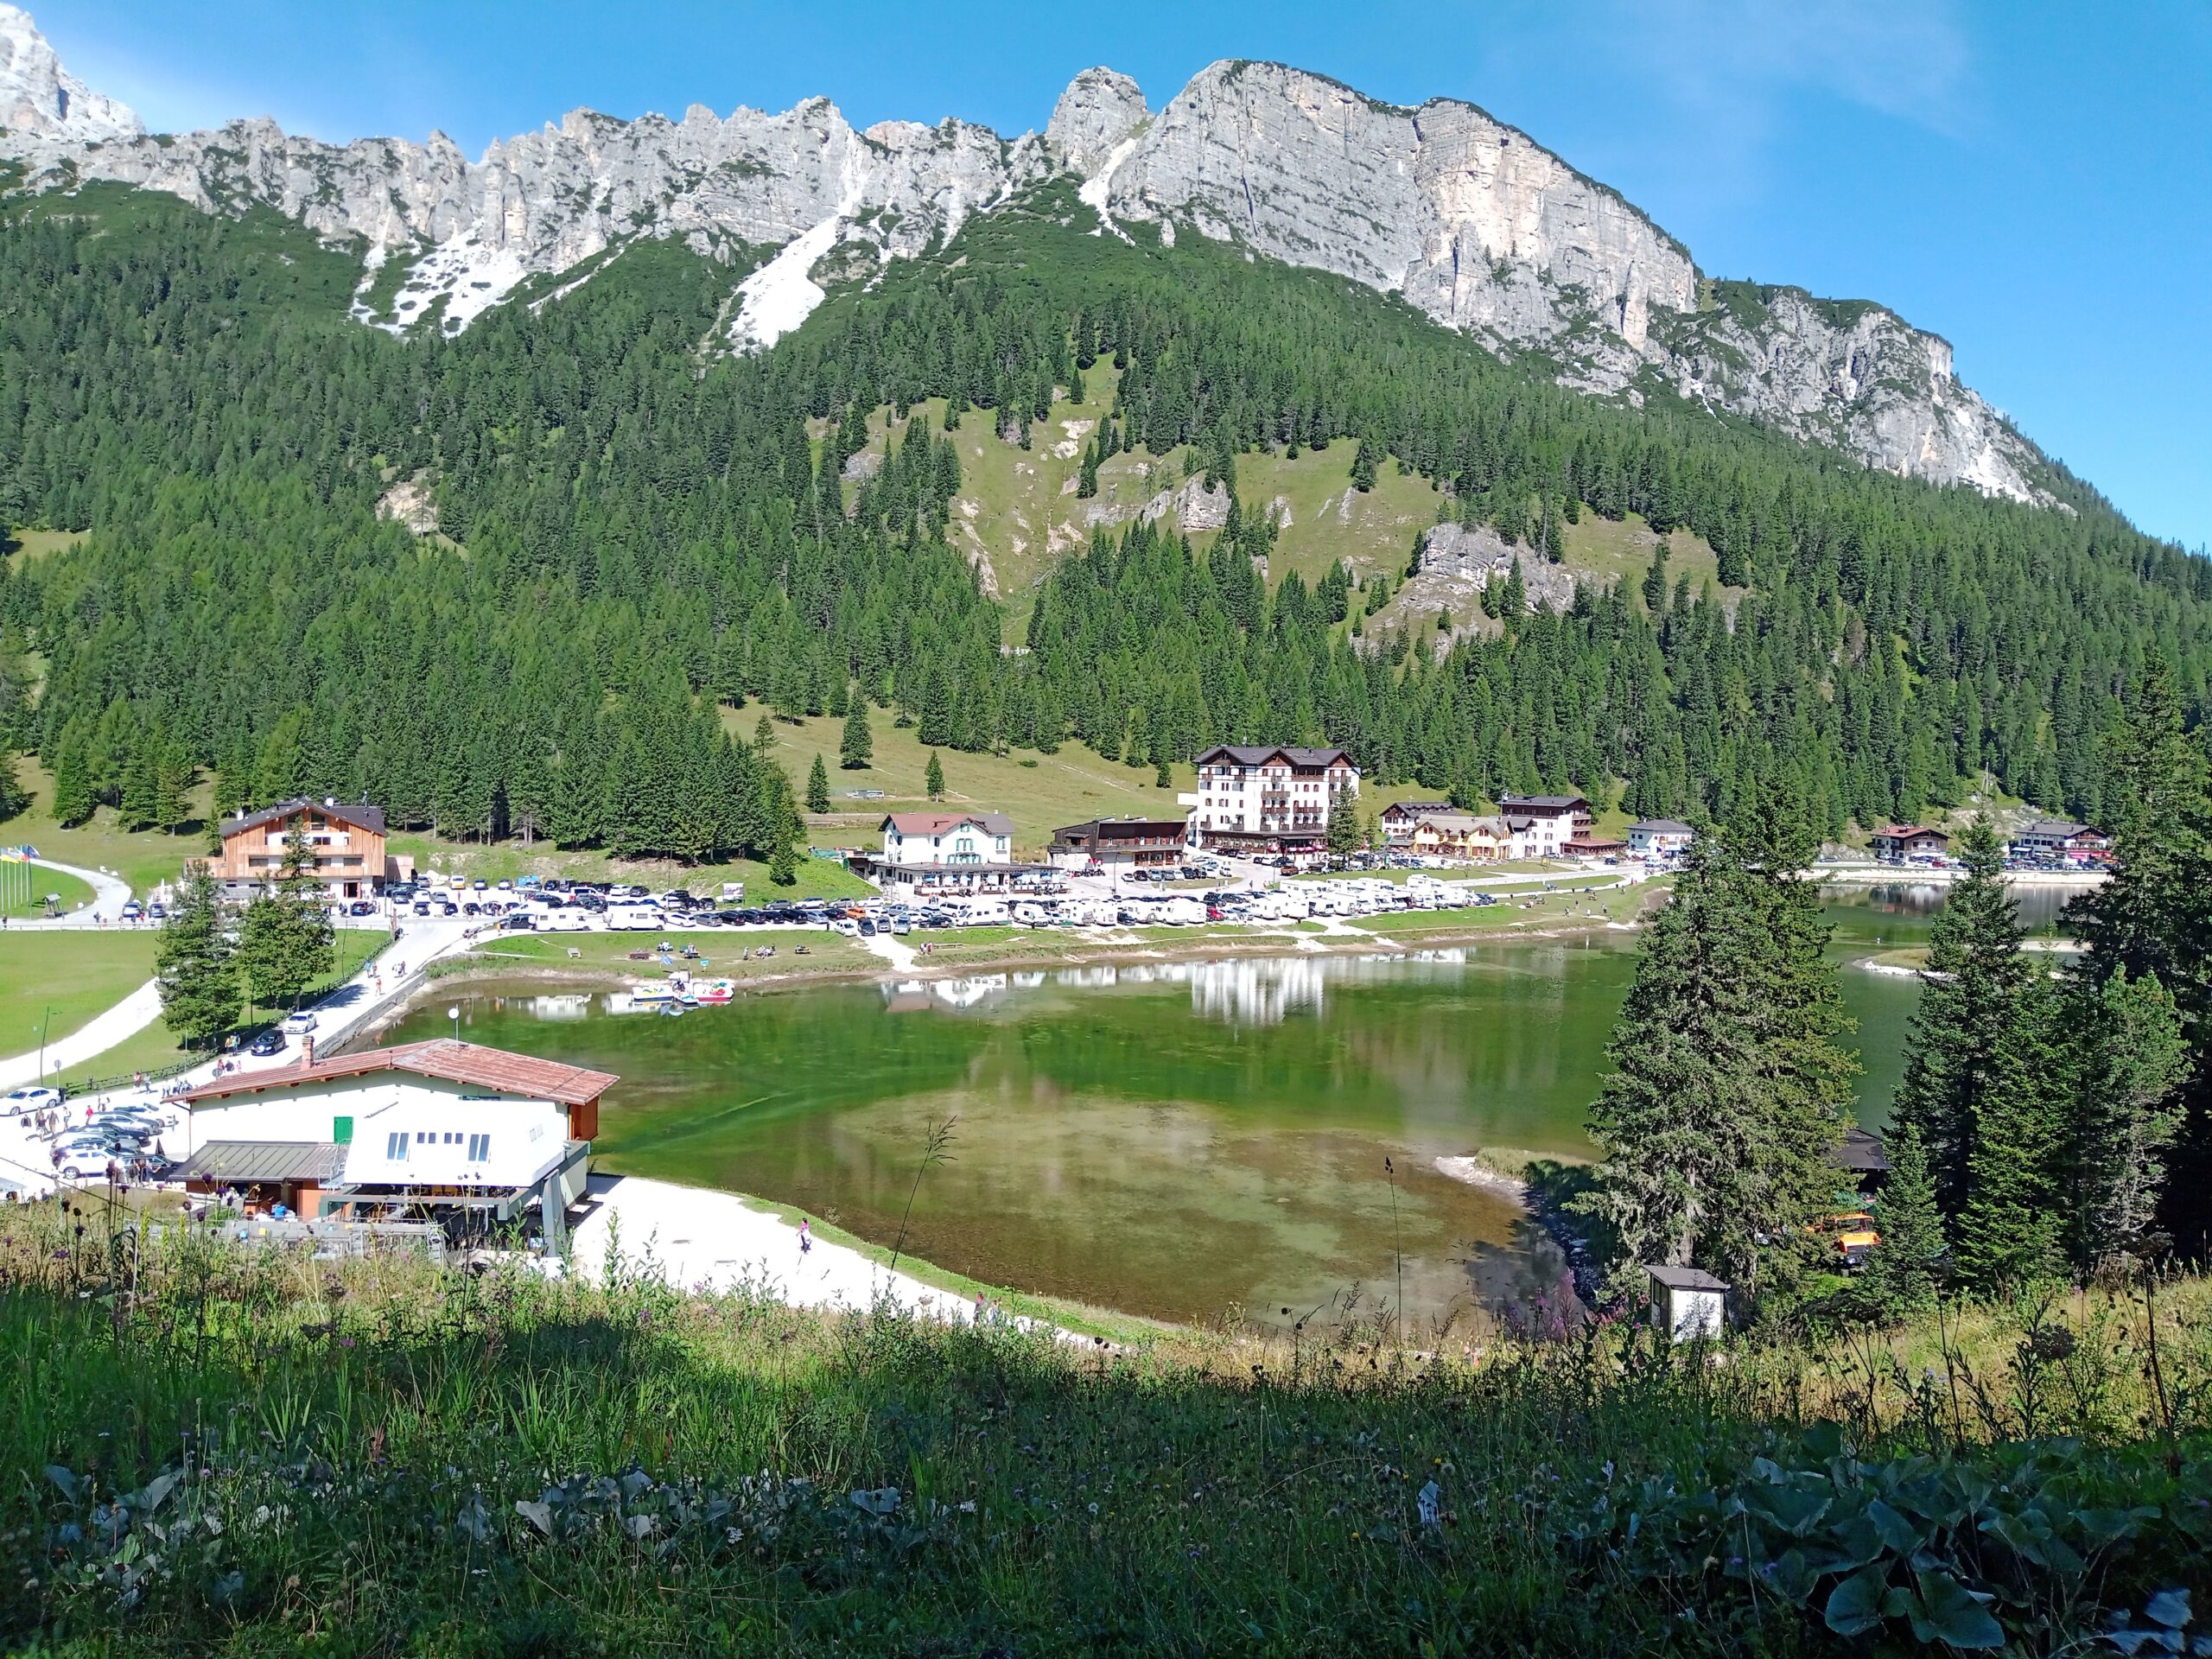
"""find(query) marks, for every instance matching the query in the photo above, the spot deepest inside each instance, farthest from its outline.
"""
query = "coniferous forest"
(636, 528)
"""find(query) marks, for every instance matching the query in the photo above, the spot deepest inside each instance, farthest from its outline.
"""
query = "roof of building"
(1686, 1279)
(247, 1161)
(1461, 823)
(359, 814)
(1660, 827)
(1417, 807)
(1861, 1151)
(936, 823)
(1533, 803)
(1586, 843)
(2063, 829)
(1125, 830)
(1907, 832)
(442, 1058)
(1253, 754)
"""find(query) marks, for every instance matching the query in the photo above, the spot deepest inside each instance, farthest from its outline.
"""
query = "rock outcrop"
(1466, 218)
(39, 98)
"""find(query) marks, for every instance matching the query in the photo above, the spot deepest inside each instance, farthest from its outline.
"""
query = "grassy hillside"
(209, 1450)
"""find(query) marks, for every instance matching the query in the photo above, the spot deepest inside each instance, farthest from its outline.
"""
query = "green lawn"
(818, 879)
(79, 974)
(62, 978)
(23, 888)
(1040, 792)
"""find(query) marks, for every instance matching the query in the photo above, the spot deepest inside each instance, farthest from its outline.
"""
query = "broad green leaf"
(1949, 1612)
(1855, 1605)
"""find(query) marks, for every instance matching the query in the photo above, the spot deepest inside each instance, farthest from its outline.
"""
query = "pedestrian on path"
(805, 1236)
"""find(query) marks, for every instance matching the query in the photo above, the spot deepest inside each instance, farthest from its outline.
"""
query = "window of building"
(394, 1146)
(479, 1147)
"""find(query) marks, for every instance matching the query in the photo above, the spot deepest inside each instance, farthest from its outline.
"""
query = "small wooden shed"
(1687, 1302)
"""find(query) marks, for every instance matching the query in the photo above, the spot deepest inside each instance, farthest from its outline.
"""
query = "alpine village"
(1228, 879)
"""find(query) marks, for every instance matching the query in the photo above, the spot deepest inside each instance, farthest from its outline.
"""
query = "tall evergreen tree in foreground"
(1730, 1084)
(817, 787)
(2152, 922)
(1906, 1270)
(193, 967)
(933, 778)
(1969, 1006)
(285, 941)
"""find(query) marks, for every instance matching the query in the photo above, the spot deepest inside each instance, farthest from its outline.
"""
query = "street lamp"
(453, 1014)
(45, 1019)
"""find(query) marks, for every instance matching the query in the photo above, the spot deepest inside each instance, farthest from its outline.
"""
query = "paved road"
(396, 973)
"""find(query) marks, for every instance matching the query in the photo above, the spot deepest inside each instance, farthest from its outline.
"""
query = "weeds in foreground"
(210, 1446)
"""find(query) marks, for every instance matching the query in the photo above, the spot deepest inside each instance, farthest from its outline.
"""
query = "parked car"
(519, 923)
(30, 1098)
(131, 910)
(157, 911)
(300, 1021)
(270, 1042)
(361, 908)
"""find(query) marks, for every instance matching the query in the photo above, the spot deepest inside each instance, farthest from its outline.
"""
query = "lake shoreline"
(472, 970)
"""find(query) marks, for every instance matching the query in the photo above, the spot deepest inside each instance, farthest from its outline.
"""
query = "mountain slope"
(1469, 220)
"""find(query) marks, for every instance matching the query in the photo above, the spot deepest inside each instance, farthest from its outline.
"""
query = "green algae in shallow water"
(1176, 1139)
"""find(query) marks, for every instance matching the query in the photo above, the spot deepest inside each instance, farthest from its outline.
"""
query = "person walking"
(805, 1236)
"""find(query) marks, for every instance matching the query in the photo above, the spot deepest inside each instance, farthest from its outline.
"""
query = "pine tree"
(285, 941)
(1730, 1084)
(73, 781)
(1905, 1271)
(193, 967)
(817, 787)
(857, 746)
(2132, 1060)
(1342, 835)
(933, 778)
(1969, 1006)
(13, 797)
(2007, 1233)
(2153, 917)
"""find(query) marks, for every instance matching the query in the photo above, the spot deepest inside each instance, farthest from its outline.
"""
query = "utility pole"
(45, 1019)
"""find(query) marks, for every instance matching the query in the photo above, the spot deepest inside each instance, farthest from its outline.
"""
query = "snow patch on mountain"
(775, 299)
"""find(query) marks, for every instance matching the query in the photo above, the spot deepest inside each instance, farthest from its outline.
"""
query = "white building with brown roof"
(1269, 797)
(437, 1126)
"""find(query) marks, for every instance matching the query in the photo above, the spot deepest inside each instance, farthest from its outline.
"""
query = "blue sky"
(2031, 180)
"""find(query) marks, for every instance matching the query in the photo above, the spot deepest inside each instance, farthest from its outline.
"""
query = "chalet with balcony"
(1120, 843)
(345, 838)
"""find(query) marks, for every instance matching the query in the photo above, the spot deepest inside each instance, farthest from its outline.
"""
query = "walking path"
(109, 893)
(897, 953)
(27, 1159)
(698, 1240)
(103, 1032)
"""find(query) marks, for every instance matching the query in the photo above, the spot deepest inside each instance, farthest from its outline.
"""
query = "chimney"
(306, 1049)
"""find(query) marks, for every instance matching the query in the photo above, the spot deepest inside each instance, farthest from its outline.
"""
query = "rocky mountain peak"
(37, 95)
(1468, 219)
(1100, 109)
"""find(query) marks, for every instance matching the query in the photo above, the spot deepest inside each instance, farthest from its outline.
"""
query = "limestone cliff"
(1466, 218)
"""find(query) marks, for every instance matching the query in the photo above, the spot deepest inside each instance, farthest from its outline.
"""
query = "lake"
(1177, 1140)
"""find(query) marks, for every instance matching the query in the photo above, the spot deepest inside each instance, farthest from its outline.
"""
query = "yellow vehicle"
(1853, 1235)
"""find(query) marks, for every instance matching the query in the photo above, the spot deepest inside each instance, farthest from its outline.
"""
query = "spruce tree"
(1730, 1084)
(1906, 1269)
(2008, 1231)
(1969, 1006)
(73, 780)
(193, 966)
(933, 778)
(285, 941)
(2153, 917)
(2133, 1058)
(13, 797)
(817, 787)
(1342, 835)
(857, 746)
